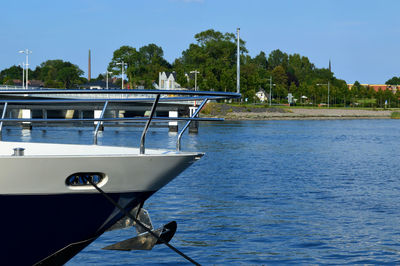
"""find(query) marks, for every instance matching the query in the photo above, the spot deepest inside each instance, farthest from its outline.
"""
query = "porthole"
(84, 179)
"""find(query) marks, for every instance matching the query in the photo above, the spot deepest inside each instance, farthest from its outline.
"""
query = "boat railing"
(10, 97)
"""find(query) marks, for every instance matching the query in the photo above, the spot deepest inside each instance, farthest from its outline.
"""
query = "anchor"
(144, 240)
(163, 235)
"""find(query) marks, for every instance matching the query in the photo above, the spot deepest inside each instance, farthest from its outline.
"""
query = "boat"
(58, 198)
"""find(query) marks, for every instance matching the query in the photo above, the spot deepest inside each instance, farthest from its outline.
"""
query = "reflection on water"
(26, 135)
(267, 192)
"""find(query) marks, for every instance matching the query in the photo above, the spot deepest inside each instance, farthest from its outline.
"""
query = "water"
(268, 192)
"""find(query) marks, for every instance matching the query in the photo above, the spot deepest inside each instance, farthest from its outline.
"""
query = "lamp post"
(26, 52)
(238, 61)
(122, 72)
(23, 75)
(326, 84)
(195, 72)
(107, 72)
(270, 90)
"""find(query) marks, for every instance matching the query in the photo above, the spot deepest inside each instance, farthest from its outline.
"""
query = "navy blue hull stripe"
(33, 227)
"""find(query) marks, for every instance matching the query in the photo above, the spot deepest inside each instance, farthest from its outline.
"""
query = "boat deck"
(51, 149)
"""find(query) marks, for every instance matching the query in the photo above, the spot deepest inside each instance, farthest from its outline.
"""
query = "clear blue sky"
(360, 37)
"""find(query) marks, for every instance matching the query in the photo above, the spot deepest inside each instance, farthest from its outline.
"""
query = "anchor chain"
(126, 213)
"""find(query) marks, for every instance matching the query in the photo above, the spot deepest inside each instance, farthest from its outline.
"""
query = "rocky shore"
(276, 113)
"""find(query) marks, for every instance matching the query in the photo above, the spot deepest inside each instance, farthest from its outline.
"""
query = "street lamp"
(27, 52)
(270, 90)
(195, 72)
(122, 72)
(238, 61)
(107, 72)
(23, 74)
(326, 84)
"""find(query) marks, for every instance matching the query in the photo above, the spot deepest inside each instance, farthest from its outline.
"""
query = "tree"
(261, 61)
(300, 68)
(68, 75)
(277, 58)
(58, 74)
(250, 80)
(14, 72)
(143, 66)
(152, 62)
(279, 75)
(214, 56)
(125, 54)
(393, 81)
(153, 54)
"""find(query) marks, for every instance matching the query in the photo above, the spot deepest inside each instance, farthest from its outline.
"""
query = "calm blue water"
(268, 192)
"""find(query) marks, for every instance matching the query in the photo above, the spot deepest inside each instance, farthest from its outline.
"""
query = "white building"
(166, 81)
(261, 95)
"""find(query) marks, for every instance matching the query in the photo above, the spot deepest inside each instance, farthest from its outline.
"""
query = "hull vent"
(82, 179)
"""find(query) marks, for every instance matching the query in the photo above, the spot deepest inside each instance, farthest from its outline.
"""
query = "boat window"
(83, 179)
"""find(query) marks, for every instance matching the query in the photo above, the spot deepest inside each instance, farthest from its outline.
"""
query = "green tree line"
(53, 73)
(213, 54)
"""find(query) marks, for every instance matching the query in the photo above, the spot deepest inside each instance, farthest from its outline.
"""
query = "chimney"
(89, 67)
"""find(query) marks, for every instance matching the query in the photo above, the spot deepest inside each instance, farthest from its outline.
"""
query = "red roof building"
(377, 87)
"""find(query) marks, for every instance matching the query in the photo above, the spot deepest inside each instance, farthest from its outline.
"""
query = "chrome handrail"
(99, 123)
(85, 91)
(143, 138)
(125, 119)
(178, 141)
(193, 96)
(2, 117)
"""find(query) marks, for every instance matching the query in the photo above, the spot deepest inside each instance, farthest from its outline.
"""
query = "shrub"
(395, 115)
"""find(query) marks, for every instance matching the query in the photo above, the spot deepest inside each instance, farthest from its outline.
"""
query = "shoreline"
(251, 113)
(303, 118)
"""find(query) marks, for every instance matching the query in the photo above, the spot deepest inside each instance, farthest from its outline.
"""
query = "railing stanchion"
(178, 141)
(2, 117)
(99, 123)
(143, 138)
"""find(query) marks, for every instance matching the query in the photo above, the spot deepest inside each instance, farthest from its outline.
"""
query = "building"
(98, 85)
(167, 81)
(261, 95)
(31, 83)
(377, 87)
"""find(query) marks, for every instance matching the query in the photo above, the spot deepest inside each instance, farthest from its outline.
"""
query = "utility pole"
(89, 67)
(328, 93)
(107, 72)
(195, 72)
(270, 90)
(327, 84)
(238, 62)
(122, 72)
(23, 74)
(26, 52)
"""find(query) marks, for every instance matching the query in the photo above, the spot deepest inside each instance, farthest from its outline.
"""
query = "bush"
(207, 108)
(395, 115)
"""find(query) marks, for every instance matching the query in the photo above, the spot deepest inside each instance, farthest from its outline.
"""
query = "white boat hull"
(56, 219)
